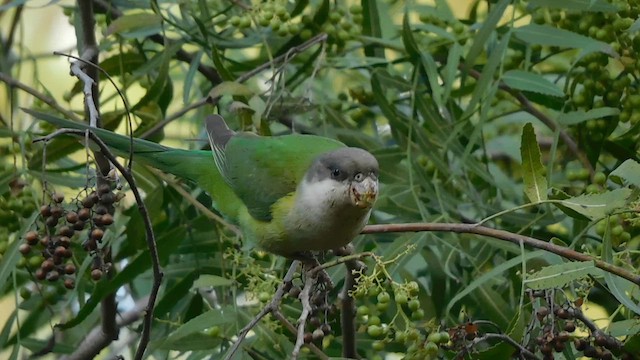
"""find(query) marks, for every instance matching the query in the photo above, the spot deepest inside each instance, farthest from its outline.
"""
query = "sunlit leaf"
(533, 173)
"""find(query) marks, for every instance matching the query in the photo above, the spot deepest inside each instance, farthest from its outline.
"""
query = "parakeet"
(289, 194)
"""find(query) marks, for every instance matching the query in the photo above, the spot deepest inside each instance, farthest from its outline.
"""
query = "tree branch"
(503, 235)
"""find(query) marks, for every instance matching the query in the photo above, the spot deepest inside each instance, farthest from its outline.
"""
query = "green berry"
(378, 345)
(382, 306)
(264, 296)
(413, 287)
(401, 298)
(235, 20)
(431, 348)
(374, 331)
(444, 337)
(363, 310)
(600, 178)
(434, 337)
(374, 320)
(417, 315)
(414, 304)
(384, 297)
(355, 9)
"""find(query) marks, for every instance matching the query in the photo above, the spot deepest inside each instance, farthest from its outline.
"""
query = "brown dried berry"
(47, 265)
(600, 339)
(308, 338)
(53, 275)
(66, 231)
(558, 346)
(60, 251)
(51, 221)
(562, 313)
(107, 219)
(25, 249)
(40, 274)
(69, 269)
(563, 336)
(326, 328)
(78, 225)
(84, 214)
(31, 237)
(57, 259)
(96, 274)
(69, 283)
(107, 198)
(314, 321)
(580, 344)
(89, 245)
(57, 197)
(317, 335)
(72, 217)
(57, 211)
(64, 241)
(97, 234)
(45, 210)
(101, 210)
(44, 241)
(104, 188)
(570, 326)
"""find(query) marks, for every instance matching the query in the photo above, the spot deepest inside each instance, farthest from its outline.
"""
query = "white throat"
(323, 215)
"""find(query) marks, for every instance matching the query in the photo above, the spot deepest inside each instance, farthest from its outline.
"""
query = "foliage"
(444, 99)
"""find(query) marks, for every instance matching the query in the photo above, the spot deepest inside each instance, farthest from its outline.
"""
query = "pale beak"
(364, 193)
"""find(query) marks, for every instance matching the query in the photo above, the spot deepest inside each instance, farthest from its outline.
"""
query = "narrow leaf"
(535, 34)
(147, 23)
(533, 174)
(582, 5)
(482, 36)
(230, 88)
(576, 117)
(629, 172)
(557, 276)
(527, 81)
(211, 281)
(597, 206)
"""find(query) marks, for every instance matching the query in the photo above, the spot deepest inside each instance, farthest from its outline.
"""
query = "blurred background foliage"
(438, 91)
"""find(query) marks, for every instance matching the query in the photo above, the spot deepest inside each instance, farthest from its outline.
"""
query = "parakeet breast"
(322, 217)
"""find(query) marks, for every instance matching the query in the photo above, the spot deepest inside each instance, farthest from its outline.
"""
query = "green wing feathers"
(261, 170)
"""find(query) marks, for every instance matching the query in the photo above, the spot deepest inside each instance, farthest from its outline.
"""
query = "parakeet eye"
(335, 173)
(358, 177)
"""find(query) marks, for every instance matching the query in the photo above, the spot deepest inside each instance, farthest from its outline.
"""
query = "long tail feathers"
(219, 134)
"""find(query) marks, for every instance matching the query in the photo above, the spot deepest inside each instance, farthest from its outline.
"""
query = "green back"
(261, 170)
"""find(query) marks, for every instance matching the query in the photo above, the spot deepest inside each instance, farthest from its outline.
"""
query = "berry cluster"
(557, 324)
(342, 24)
(62, 224)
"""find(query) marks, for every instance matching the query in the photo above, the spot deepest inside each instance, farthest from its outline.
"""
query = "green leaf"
(371, 27)
(535, 182)
(629, 172)
(535, 34)
(188, 80)
(581, 5)
(576, 117)
(211, 281)
(167, 243)
(596, 206)
(557, 276)
(482, 36)
(492, 275)
(134, 25)
(528, 81)
(230, 88)
(201, 322)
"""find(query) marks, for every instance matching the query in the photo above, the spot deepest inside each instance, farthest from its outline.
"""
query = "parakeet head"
(349, 171)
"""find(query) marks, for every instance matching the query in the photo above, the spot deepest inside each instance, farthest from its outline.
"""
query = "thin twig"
(348, 311)
(503, 235)
(273, 305)
(38, 95)
(12, 29)
(292, 329)
(507, 339)
(302, 320)
(241, 79)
